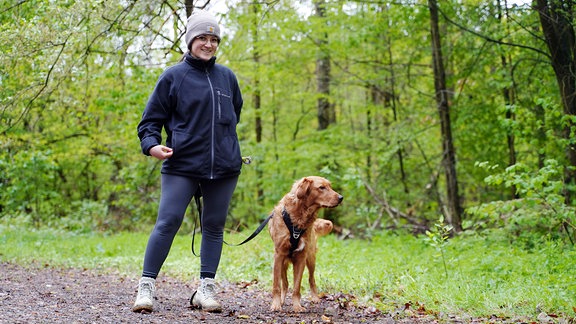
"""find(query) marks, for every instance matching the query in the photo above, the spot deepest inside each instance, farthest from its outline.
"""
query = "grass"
(486, 275)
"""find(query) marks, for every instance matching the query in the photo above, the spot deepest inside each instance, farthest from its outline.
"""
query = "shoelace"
(208, 290)
(147, 288)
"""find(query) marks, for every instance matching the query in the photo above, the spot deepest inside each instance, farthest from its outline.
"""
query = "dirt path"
(46, 295)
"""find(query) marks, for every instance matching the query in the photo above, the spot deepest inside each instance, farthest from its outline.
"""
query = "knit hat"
(201, 23)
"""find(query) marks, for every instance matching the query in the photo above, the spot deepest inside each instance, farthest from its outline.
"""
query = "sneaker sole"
(142, 309)
(209, 309)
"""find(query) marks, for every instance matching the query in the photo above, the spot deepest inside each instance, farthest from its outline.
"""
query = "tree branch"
(490, 39)
(43, 87)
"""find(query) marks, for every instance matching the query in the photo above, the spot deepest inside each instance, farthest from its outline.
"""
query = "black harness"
(295, 232)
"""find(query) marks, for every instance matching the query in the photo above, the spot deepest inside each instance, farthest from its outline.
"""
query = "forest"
(456, 112)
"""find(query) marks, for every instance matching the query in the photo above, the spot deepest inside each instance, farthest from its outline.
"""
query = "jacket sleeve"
(155, 115)
(237, 95)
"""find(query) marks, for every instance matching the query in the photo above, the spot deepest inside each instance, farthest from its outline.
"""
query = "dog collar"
(295, 232)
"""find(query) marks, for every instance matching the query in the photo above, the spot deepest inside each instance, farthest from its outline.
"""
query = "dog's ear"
(303, 188)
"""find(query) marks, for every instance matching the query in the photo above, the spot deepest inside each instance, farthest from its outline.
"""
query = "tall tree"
(454, 209)
(508, 92)
(256, 96)
(557, 20)
(326, 115)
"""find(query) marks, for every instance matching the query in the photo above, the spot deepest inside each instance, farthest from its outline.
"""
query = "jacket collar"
(198, 63)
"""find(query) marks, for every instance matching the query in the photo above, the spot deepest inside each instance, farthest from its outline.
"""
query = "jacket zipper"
(213, 125)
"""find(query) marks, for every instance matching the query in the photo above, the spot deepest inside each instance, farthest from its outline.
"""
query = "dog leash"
(198, 195)
(199, 209)
(256, 232)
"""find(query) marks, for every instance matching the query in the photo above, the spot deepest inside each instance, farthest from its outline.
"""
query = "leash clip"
(296, 234)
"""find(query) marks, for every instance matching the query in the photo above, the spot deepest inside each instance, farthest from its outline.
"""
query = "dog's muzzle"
(340, 198)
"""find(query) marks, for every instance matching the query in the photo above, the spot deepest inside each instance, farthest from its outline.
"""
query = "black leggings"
(177, 192)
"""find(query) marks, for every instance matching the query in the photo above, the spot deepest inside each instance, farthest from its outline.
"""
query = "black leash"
(256, 232)
(197, 197)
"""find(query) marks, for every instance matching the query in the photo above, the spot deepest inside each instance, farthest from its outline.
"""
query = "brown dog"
(292, 231)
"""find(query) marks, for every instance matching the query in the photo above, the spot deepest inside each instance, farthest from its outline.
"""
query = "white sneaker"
(146, 291)
(203, 298)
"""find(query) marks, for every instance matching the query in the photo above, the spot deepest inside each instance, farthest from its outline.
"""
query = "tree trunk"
(556, 18)
(189, 4)
(256, 97)
(326, 115)
(454, 210)
(392, 100)
(509, 94)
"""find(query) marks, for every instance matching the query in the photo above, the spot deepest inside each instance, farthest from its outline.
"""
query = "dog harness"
(295, 232)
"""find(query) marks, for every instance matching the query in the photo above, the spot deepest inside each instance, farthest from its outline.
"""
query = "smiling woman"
(197, 103)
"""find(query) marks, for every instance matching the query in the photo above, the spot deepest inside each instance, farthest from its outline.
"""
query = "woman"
(198, 103)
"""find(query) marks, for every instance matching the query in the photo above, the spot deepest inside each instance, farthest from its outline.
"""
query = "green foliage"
(73, 85)
(34, 190)
(539, 213)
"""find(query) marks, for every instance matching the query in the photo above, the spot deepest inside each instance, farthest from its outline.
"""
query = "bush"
(539, 212)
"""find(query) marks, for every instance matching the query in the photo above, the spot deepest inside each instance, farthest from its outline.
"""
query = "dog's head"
(322, 226)
(316, 191)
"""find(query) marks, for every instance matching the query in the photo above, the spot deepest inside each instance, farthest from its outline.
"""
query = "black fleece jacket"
(198, 104)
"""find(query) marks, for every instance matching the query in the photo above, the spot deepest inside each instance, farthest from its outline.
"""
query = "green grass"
(487, 275)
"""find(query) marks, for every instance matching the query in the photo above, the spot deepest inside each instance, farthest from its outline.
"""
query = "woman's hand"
(161, 152)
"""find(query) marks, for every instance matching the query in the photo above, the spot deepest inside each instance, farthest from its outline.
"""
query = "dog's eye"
(322, 188)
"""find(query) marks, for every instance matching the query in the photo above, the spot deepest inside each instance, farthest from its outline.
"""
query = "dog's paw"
(276, 306)
(315, 299)
(298, 308)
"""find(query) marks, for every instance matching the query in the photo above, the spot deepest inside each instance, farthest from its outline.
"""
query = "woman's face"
(204, 47)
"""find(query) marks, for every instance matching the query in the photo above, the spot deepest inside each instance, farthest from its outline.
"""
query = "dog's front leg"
(299, 264)
(311, 265)
(284, 285)
(276, 280)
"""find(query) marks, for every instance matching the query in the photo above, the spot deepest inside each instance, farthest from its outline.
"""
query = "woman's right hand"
(161, 152)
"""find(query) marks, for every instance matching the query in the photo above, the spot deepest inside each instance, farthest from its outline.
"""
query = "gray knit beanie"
(201, 23)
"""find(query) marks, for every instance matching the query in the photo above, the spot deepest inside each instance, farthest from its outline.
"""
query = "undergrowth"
(476, 274)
